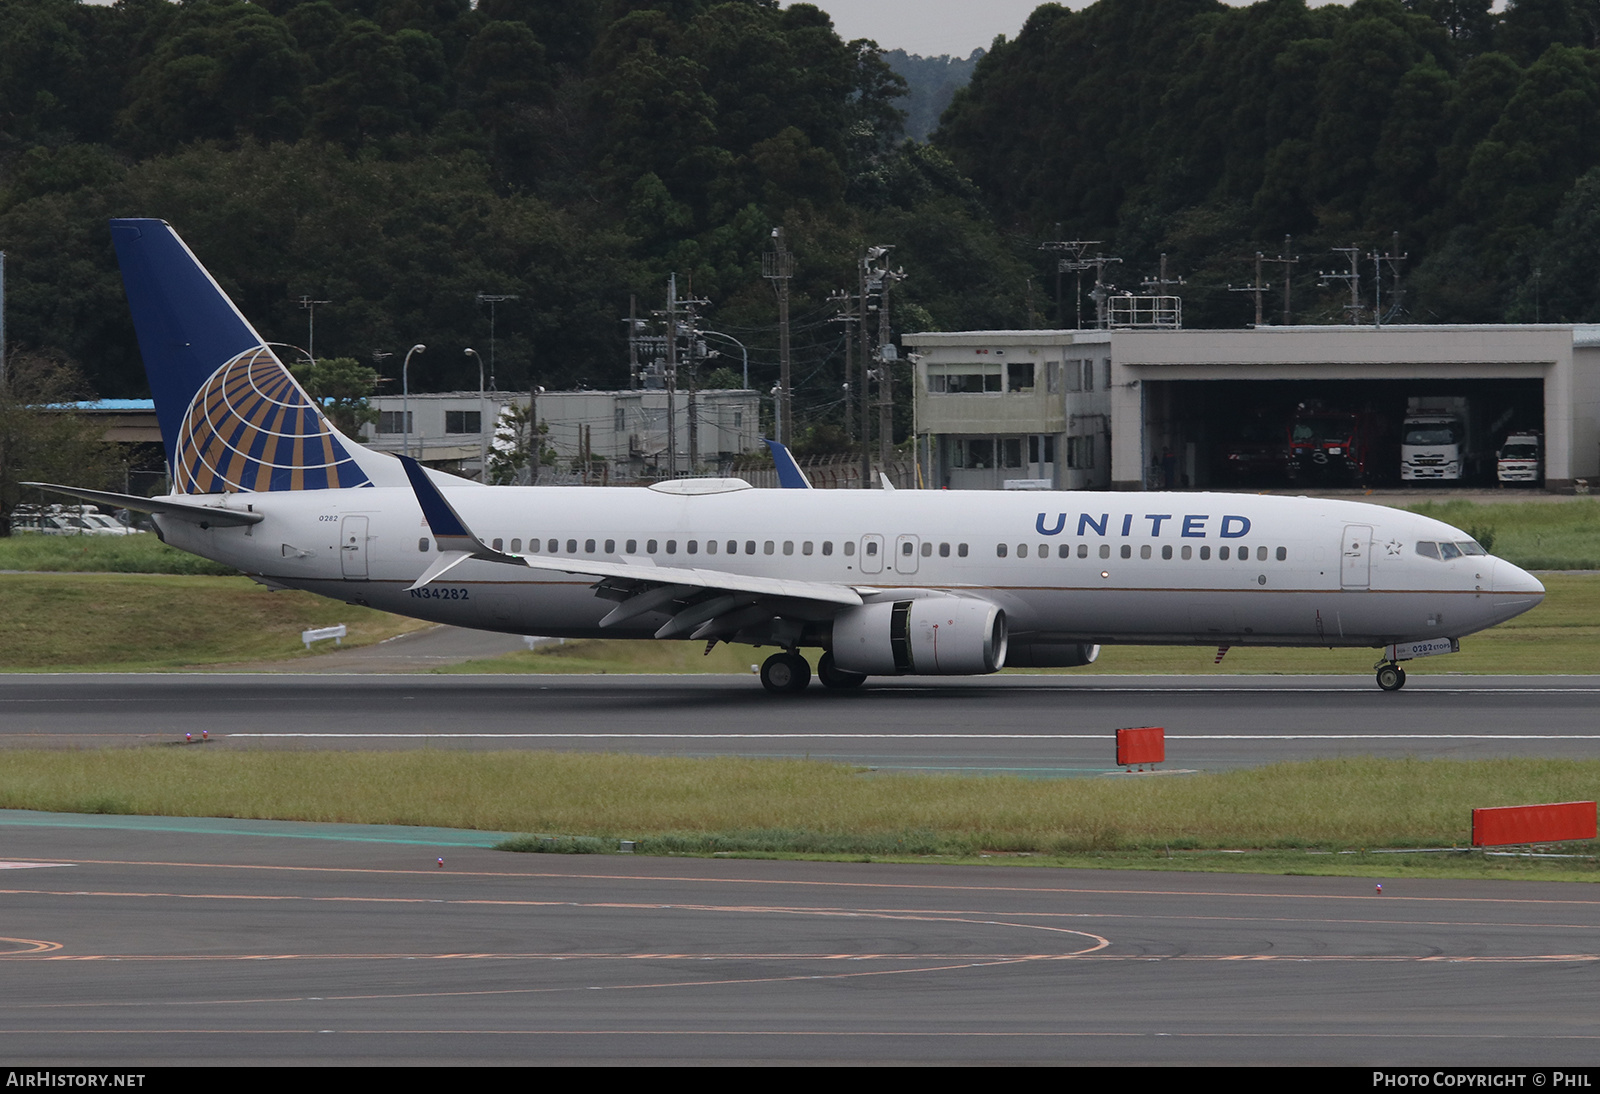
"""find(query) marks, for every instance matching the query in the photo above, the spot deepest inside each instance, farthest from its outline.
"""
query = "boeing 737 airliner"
(884, 582)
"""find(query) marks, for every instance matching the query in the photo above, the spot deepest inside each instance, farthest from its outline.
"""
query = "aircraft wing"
(703, 603)
(193, 512)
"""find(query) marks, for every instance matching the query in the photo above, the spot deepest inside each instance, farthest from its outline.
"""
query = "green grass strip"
(732, 805)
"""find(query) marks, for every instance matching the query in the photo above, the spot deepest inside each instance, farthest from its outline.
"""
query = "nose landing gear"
(1391, 677)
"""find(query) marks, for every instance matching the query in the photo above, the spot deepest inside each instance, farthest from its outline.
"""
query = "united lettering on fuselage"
(907, 582)
(1193, 525)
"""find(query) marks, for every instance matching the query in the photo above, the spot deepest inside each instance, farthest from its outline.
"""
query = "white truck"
(1521, 458)
(1436, 441)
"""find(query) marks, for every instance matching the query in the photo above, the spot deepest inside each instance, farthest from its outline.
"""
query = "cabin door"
(1355, 566)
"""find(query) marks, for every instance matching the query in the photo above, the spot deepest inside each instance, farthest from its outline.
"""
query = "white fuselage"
(1091, 567)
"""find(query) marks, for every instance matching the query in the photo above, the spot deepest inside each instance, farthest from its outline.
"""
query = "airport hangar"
(1098, 409)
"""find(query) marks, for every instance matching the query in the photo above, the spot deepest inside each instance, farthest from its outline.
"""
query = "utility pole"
(845, 318)
(672, 376)
(2, 317)
(1069, 259)
(1353, 309)
(1255, 287)
(1286, 260)
(310, 307)
(777, 266)
(1393, 258)
(696, 350)
(886, 356)
(866, 371)
(492, 299)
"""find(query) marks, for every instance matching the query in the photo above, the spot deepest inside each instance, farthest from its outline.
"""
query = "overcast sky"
(932, 27)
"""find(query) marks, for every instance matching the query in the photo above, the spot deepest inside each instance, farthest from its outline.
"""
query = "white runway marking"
(31, 865)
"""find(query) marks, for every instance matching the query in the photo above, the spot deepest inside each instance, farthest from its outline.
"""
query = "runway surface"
(1031, 725)
(144, 941)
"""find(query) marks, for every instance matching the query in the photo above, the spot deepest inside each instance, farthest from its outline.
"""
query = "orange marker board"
(1146, 745)
(1533, 823)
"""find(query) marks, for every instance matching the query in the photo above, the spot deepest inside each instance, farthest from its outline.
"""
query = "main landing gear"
(1391, 677)
(784, 673)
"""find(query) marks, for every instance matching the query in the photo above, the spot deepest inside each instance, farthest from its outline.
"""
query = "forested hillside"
(1210, 132)
(397, 157)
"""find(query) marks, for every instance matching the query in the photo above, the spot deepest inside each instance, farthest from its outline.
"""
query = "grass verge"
(143, 622)
(141, 554)
(1286, 816)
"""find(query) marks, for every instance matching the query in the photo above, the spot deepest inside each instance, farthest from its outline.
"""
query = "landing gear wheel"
(1391, 677)
(834, 677)
(785, 672)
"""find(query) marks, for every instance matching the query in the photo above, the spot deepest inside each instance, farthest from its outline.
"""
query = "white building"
(1165, 402)
(628, 430)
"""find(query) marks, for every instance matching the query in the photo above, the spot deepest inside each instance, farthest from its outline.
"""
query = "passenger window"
(749, 546)
(554, 546)
(827, 547)
(961, 551)
(711, 546)
(805, 548)
(422, 544)
(1022, 550)
(611, 546)
(1187, 552)
(694, 546)
(533, 546)
(572, 546)
(849, 549)
(1166, 551)
(1222, 553)
(499, 544)
(733, 546)
(650, 547)
(1144, 551)
(1261, 554)
(1000, 550)
(788, 546)
(907, 549)
(588, 546)
(1205, 553)
(672, 546)
(1127, 551)
(927, 550)
(1283, 553)
(633, 547)
(944, 550)
(767, 547)
(1105, 550)
(516, 545)
(1083, 550)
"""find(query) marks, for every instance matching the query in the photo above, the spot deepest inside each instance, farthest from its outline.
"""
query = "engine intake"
(932, 636)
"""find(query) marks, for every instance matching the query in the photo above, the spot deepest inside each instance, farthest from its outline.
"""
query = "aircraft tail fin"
(790, 477)
(232, 417)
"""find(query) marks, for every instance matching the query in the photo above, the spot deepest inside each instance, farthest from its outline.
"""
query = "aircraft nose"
(1514, 579)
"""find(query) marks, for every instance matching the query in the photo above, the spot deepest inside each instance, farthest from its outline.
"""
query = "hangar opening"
(1327, 433)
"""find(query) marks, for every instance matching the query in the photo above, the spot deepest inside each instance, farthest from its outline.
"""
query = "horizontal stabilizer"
(185, 510)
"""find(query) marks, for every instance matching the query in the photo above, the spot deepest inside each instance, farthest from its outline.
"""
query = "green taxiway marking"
(230, 826)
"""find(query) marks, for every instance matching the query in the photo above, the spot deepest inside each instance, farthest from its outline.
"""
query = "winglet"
(456, 541)
(790, 477)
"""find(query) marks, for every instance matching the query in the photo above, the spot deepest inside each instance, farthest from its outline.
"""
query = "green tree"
(41, 438)
(342, 386)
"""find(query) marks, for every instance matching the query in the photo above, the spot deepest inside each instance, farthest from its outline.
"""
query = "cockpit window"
(1447, 551)
(1428, 550)
(1471, 547)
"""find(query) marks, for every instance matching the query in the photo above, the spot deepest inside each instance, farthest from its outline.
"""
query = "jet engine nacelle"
(1026, 654)
(933, 636)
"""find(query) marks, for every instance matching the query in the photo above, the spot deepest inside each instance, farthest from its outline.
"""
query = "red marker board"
(1147, 745)
(1533, 824)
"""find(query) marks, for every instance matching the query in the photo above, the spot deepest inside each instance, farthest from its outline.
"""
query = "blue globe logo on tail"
(251, 428)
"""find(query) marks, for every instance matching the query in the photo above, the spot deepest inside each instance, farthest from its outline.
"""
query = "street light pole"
(483, 443)
(405, 394)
